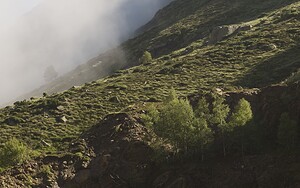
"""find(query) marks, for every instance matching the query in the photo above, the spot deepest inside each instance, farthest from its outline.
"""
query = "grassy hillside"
(174, 27)
(266, 54)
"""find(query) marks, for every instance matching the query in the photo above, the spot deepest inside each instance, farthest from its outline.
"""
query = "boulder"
(221, 32)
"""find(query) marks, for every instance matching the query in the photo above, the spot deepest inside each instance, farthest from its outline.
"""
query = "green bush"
(146, 58)
(50, 103)
(12, 153)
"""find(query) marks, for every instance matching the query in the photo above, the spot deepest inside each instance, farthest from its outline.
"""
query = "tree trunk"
(224, 148)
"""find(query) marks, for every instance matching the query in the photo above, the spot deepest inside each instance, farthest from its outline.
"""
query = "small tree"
(241, 115)
(12, 153)
(202, 111)
(146, 58)
(219, 116)
(172, 96)
(175, 123)
(151, 117)
(287, 132)
(203, 135)
(50, 74)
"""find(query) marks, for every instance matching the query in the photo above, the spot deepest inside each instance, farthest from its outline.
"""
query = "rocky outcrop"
(221, 32)
(122, 158)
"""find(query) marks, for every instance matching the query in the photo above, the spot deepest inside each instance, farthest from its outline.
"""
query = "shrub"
(146, 58)
(50, 103)
(13, 152)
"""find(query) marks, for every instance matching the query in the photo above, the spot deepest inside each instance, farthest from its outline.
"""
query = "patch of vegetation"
(146, 58)
(190, 130)
(12, 153)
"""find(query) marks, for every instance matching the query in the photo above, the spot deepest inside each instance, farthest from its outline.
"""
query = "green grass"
(188, 66)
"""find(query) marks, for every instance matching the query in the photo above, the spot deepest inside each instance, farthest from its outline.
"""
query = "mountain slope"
(226, 64)
(174, 27)
(265, 54)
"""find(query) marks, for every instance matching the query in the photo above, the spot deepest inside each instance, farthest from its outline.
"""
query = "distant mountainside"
(93, 134)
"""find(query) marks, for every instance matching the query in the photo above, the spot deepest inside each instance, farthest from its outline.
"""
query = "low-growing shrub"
(13, 152)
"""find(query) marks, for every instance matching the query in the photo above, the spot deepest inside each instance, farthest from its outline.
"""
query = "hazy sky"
(10, 10)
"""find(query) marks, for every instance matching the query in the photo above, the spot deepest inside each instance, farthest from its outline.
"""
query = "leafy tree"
(13, 152)
(172, 96)
(203, 135)
(151, 117)
(219, 117)
(241, 115)
(175, 123)
(202, 111)
(287, 132)
(146, 58)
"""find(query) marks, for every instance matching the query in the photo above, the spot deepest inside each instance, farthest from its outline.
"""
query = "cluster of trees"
(191, 129)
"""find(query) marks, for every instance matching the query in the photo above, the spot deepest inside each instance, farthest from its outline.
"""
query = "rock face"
(221, 32)
(122, 158)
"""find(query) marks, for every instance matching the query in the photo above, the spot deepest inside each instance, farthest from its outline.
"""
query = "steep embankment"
(116, 153)
(262, 50)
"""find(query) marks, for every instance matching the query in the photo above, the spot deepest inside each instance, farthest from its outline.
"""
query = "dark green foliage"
(50, 103)
(202, 111)
(13, 152)
(220, 113)
(14, 120)
(287, 132)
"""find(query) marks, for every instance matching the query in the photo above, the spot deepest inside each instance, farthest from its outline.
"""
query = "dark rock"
(114, 99)
(221, 32)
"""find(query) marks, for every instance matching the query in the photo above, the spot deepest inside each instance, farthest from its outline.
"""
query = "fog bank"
(63, 34)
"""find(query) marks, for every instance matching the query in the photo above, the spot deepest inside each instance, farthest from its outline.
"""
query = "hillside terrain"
(93, 135)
